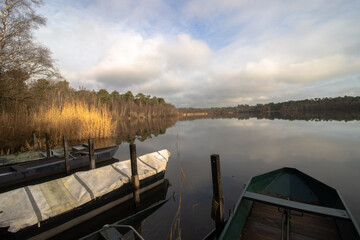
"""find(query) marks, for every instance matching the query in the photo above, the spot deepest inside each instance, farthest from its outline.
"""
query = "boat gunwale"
(227, 225)
(349, 213)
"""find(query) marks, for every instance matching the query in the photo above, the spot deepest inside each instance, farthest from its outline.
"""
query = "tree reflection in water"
(136, 129)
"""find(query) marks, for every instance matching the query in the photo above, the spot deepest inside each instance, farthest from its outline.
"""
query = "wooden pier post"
(91, 153)
(47, 142)
(36, 145)
(218, 199)
(134, 175)
(66, 154)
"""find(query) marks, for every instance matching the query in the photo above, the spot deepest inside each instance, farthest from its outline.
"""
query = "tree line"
(43, 93)
(338, 108)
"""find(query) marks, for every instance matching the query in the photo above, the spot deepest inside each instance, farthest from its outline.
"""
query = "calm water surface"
(328, 151)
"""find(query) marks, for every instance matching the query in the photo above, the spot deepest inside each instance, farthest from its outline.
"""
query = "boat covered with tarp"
(44, 210)
(288, 204)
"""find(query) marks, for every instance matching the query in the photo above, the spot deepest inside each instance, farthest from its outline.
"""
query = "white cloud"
(131, 60)
(201, 53)
(185, 53)
(160, 65)
(311, 70)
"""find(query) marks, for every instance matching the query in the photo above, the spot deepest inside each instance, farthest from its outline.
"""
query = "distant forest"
(339, 108)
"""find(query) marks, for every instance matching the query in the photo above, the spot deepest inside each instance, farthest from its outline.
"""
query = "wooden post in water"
(134, 175)
(47, 142)
(91, 153)
(36, 145)
(218, 199)
(66, 154)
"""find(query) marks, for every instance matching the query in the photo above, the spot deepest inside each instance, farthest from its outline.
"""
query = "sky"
(207, 53)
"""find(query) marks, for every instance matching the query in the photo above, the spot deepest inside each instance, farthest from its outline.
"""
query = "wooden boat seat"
(333, 212)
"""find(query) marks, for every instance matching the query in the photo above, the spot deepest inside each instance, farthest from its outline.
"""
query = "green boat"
(288, 204)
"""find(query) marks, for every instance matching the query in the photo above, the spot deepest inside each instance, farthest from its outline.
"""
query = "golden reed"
(76, 120)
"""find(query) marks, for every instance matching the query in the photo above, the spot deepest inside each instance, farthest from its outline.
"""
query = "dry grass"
(15, 130)
(76, 120)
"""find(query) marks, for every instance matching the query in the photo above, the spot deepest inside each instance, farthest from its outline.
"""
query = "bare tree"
(21, 58)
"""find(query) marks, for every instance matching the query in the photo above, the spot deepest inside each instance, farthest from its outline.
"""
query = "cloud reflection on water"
(327, 151)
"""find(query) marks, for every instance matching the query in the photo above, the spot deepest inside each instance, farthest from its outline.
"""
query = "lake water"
(326, 150)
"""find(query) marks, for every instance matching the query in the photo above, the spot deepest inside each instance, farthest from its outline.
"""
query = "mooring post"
(218, 199)
(134, 175)
(36, 145)
(47, 142)
(66, 154)
(91, 153)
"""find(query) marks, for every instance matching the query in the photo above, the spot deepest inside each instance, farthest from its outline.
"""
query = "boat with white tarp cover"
(44, 210)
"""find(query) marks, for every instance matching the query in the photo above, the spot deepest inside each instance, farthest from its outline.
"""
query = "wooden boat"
(22, 157)
(34, 170)
(288, 204)
(47, 209)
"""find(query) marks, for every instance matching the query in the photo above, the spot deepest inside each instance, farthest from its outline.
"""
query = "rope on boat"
(214, 208)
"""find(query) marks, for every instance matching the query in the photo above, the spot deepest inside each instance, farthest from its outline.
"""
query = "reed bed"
(77, 121)
(15, 130)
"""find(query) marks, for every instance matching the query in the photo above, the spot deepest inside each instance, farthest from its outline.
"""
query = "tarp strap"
(33, 204)
(84, 185)
(148, 165)
(162, 156)
(118, 170)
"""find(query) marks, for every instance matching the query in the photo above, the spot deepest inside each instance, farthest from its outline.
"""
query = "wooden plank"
(333, 212)
(312, 226)
(264, 222)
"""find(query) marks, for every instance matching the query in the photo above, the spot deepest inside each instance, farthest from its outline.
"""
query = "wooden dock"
(264, 222)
